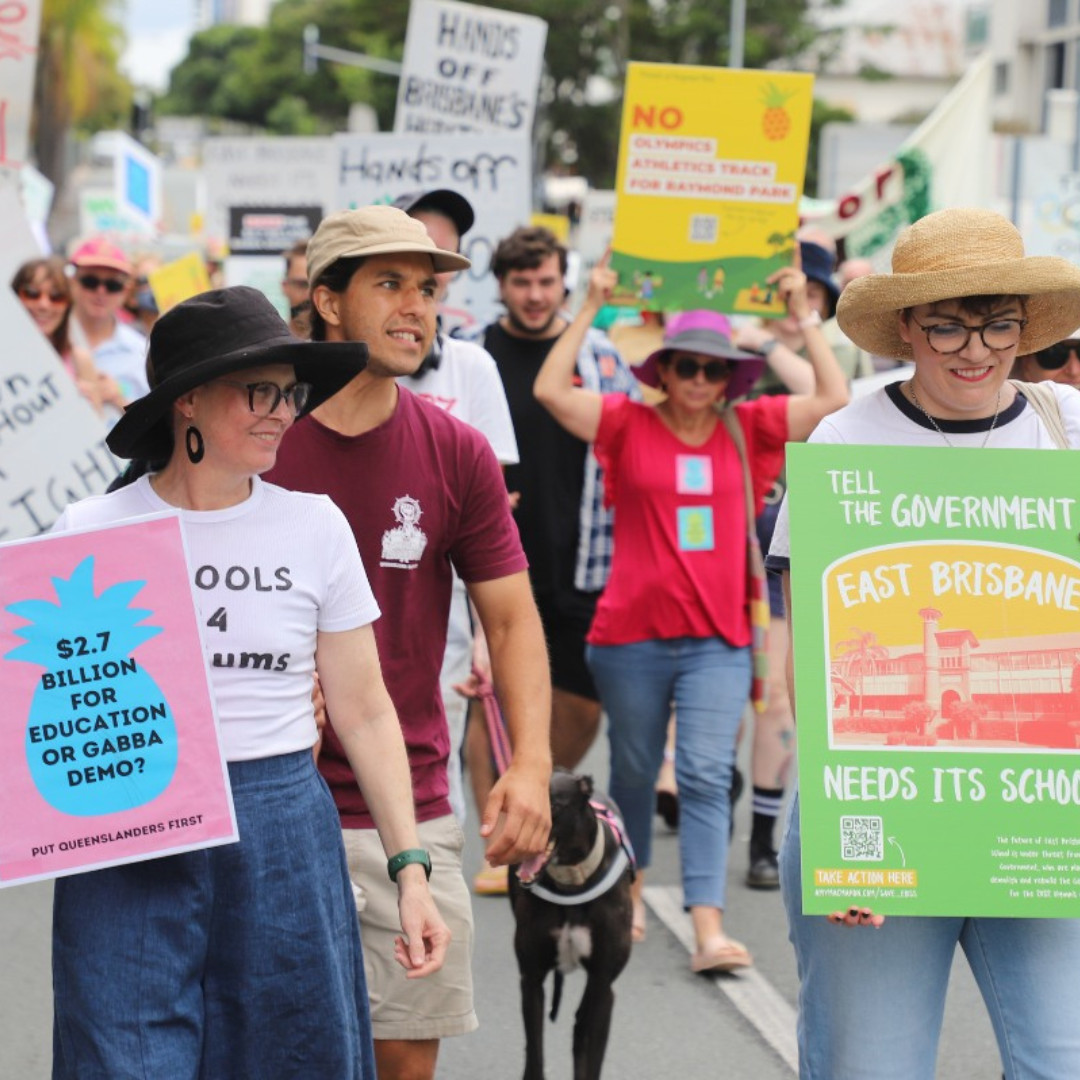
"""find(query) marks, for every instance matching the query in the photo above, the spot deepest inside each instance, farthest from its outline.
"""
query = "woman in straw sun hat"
(245, 960)
(962, 302)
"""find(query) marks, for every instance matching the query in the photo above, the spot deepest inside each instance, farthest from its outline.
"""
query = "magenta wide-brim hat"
(694, 335)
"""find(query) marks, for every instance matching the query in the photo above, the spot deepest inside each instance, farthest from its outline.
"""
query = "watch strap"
(396, 863)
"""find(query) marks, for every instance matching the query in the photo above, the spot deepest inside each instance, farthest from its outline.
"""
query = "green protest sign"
(936, 629)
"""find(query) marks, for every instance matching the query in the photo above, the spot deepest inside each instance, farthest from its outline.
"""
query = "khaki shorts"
(438, 1005)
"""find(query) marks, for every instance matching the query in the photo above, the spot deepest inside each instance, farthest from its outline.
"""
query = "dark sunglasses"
(27, 293)
(1057, 356)
(91, 282)
(715, 371)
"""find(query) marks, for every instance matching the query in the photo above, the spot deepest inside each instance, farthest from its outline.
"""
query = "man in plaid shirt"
(557, 487)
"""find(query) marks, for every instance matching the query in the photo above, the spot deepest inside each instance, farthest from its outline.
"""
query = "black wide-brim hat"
(215, 334)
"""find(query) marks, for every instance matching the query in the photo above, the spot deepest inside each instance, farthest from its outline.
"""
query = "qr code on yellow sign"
(862, 838)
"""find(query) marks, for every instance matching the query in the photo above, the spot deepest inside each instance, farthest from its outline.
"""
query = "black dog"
(574, 907)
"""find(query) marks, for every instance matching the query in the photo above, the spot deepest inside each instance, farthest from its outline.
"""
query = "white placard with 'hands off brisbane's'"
(469, 68)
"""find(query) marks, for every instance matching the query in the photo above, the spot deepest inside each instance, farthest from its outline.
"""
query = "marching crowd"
(517, 507)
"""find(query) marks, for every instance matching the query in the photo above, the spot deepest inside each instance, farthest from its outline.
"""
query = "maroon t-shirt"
(421, 491)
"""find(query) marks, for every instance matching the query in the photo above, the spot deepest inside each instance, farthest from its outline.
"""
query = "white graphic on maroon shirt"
(403, 545)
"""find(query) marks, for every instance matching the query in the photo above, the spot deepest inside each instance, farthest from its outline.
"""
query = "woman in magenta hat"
(673, 626)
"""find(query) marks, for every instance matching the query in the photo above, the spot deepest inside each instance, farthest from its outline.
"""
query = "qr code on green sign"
(862, 838)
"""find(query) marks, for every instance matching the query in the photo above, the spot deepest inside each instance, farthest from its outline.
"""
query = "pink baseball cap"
(100, 252)
(709, 334)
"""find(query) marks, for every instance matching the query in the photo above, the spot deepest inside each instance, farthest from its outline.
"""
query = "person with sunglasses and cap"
(674, 623)
(99, 287)
(244, 960)
(1058, 363)
(962, 302)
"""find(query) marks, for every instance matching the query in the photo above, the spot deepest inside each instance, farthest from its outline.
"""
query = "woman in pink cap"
(686, 478)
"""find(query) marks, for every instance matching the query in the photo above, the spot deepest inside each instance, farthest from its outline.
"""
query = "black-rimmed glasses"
(951, 337)
(265, 397)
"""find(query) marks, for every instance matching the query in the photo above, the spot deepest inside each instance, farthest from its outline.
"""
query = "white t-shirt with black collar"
(887, 418)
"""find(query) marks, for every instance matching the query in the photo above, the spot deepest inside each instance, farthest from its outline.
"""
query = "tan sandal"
(729, 957)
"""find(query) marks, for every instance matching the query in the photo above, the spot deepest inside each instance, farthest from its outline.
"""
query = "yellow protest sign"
(559, 224)
(711, 166)
(178, 281)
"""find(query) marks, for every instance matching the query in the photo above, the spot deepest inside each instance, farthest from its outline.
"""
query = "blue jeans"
(235, 961)
(871, 1001)
(708, 682)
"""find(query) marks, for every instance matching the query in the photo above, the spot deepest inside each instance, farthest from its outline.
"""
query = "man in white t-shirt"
(461, 378)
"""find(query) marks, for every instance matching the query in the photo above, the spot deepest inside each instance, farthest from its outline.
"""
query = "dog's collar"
(618, 867)
(607, 821)
(576, 875)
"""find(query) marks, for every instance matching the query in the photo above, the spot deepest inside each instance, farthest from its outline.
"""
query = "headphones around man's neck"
(433, 359)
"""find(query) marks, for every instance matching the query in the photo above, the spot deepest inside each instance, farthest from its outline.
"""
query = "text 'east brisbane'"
(962, 577)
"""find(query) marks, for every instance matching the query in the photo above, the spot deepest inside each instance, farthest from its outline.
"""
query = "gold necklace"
(937, 428)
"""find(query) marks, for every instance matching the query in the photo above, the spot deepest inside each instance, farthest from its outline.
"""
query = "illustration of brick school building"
(956, 686)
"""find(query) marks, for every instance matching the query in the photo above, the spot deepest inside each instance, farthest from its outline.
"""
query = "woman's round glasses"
(265, 397)
(951, 337)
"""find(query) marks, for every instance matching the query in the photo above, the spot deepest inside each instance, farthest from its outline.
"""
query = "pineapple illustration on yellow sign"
(711, 166)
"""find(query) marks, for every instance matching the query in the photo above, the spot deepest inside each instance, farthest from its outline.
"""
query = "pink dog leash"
(496, 726)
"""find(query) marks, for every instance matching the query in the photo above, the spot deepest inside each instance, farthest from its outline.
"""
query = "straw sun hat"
(953, 254)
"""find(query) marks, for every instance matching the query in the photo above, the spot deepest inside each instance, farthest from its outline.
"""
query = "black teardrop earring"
(196, 448)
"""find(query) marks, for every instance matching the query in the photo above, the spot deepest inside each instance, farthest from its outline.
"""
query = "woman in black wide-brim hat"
(244, 960)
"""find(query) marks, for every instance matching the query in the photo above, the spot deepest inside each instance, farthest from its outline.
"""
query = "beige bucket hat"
(957, 253)
(374, 230)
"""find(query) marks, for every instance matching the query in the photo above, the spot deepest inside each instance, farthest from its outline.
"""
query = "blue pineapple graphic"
(100, 738)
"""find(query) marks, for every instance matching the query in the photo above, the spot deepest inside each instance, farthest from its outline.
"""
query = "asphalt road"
(667, 1021)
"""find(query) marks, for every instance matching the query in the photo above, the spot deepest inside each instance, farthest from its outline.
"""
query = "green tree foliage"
(259, 78)
(256, 75)
(78, 85)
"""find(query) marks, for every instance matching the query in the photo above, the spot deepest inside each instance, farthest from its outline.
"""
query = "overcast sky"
(157, 35)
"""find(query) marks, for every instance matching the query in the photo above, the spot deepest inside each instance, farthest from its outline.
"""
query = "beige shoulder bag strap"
(1046, 405)
(757, 587)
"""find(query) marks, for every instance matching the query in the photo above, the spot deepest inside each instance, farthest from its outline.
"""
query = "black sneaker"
(764, 872)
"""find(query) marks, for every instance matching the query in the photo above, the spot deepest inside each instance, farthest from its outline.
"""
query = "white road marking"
(749, 991)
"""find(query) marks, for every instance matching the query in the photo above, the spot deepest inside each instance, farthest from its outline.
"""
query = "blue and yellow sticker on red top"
(694, 476)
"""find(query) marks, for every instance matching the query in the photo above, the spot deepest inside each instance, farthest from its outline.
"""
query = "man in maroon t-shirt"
(422, 491)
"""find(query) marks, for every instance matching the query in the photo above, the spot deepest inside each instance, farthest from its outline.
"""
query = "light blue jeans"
(871, 1001)
(708, 682)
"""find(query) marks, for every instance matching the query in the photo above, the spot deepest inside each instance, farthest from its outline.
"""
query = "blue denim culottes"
(240, 961)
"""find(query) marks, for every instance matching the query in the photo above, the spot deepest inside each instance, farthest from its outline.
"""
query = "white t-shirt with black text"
(267, 574)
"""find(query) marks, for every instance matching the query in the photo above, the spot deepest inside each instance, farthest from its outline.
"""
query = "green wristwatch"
(404, 858)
